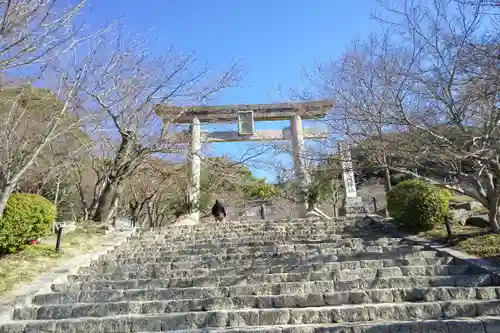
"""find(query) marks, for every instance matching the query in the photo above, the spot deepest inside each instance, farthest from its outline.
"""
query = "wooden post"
(375, 205)
(448, 228)
(262, 211)
(59, 230)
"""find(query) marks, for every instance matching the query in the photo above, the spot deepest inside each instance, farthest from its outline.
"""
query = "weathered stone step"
(182, 235)
(334, 233)
(216, 281)
(189, 238)
(233, 225)
(186, 234)
(469, 325)
(364, 273)
(271, 245)
(406, 282)
(341, 254)
(227, 249)
(233, 234)
(203, 272)
(165, 257)
(121, 303)
(246, 240)
(262, 301)
(249, 263)
(270, 242)
(264, 317)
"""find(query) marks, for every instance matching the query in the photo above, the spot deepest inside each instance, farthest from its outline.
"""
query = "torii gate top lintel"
(261, 112)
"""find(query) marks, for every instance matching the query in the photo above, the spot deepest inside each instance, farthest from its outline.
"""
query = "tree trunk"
(105, 201)
(114, 203)
(126, 161)
(151, 215)
(387, 186)
(86, 214)
(493, 214)
(335, 197)
(56, 197)
(133, 207)
(493, 217)
(4, 196)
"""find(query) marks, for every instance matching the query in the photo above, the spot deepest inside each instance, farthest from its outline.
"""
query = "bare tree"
(148, 191)
(452, 82)
(128, 83)
(89, 176)
(427, 99)
(33, 31)
(363, 83)
(32, 118)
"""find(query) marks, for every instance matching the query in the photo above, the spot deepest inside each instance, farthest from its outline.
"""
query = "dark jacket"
(218, 209)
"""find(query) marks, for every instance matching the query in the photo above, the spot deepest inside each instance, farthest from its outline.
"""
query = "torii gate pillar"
(194, 169)
(299, 163)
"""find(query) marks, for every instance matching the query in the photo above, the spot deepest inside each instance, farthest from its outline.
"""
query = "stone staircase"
(301, 276)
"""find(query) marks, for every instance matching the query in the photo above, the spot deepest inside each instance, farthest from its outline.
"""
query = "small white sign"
(347, 172)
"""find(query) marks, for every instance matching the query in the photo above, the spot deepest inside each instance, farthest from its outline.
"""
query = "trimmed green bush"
(26, 217)
(417, 206)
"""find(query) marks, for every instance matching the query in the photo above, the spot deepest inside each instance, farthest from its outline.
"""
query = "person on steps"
(218, 211)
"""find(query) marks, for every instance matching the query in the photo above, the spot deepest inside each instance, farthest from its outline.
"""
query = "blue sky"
(273, 40)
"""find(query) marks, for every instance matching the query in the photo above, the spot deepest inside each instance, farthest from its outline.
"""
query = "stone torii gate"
(246, 116)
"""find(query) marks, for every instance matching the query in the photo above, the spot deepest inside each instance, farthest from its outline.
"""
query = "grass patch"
(457, 230)
(481, 246)
(475, 241)
(480, 210)
(26, 266)
(461, 198)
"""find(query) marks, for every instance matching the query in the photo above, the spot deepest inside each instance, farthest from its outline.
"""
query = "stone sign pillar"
(299, 162)
(194, 170)
(352, 204)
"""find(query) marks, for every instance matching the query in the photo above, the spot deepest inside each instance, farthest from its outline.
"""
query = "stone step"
(263, 317)
(203, 234)
(345, 297)
(281, 288)
(335, 232)
(234, 231)
(243, 240)
(160, 272)
(165, 257)
(133, 302)
(279, 235)
(227, 249)
(233, 225)
(233, 235)
(248, 263)
(259, 241)
(469, 325)
(334, 255)
(272, 244)
(215, 281)
(173, 232)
